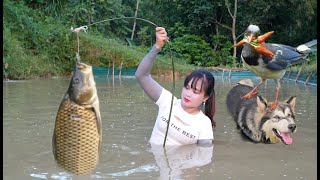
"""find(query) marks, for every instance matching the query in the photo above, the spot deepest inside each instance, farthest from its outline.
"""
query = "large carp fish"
(76, 140)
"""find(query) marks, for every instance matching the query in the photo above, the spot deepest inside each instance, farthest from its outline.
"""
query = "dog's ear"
(261, 103)
(292, 102)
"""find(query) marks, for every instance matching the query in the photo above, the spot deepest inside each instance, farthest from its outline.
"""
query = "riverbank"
(300, 77)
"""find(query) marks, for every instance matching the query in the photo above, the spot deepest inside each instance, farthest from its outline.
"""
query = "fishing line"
(77, 30)
(84, 28)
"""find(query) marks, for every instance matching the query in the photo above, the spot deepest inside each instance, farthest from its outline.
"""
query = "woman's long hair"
(208, 86)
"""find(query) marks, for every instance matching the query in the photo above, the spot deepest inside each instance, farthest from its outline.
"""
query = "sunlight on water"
(145, 168)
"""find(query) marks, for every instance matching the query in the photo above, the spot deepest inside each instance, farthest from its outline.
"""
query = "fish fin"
(96, 109)
(54, 150)
(66, 97)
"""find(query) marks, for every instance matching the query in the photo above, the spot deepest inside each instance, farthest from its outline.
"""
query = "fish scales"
(77, 138)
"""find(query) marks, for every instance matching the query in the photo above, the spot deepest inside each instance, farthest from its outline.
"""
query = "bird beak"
(262, 38)
(250, 38)
(240, 43)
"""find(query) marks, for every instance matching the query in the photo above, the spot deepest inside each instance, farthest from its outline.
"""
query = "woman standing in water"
(188, 124)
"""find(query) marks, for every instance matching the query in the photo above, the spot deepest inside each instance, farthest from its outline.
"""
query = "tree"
(233, 15)
(134, 23)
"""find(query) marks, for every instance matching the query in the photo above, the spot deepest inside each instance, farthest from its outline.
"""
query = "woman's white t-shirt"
(184, 128)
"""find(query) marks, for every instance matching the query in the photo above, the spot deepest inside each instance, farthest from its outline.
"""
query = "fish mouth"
(285, 137)
(85, 68)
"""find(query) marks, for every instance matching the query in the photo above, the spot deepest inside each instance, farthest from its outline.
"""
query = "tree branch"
(225, 26)
(228, 7)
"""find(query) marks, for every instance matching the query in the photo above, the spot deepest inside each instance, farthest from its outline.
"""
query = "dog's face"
(278, 125)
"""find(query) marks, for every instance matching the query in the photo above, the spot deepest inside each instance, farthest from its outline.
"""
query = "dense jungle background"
(38, 42)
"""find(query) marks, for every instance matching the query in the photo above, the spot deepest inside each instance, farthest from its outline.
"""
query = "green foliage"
(19, 63)
(99, 51)
(199, 15)
(144, 36)
(221, 50)
(24, 22)
(293, 22)
(24, 43)
(198, 52)
(178, 30)
(38, 40)
(192, 48)
(79, 13)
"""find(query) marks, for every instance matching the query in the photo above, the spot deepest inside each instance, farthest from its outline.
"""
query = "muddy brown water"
(128, 117)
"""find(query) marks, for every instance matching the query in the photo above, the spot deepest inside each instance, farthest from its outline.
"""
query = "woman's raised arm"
(152, 88)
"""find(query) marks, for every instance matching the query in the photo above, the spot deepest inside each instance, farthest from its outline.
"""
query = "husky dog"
(255, 119)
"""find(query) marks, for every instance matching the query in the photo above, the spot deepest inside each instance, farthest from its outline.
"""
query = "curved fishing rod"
(145, 20)
(84, 28)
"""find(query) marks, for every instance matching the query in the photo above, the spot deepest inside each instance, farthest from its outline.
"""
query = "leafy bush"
(198, 52)
(192, 48)
(18, 63)
(221, 50)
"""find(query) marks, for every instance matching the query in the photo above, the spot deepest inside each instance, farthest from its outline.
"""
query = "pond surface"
(128, 116)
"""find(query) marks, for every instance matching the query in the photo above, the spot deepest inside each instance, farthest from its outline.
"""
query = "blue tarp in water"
(103, 71)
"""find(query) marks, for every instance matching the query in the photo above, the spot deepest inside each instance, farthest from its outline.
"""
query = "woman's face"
(192, 98)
